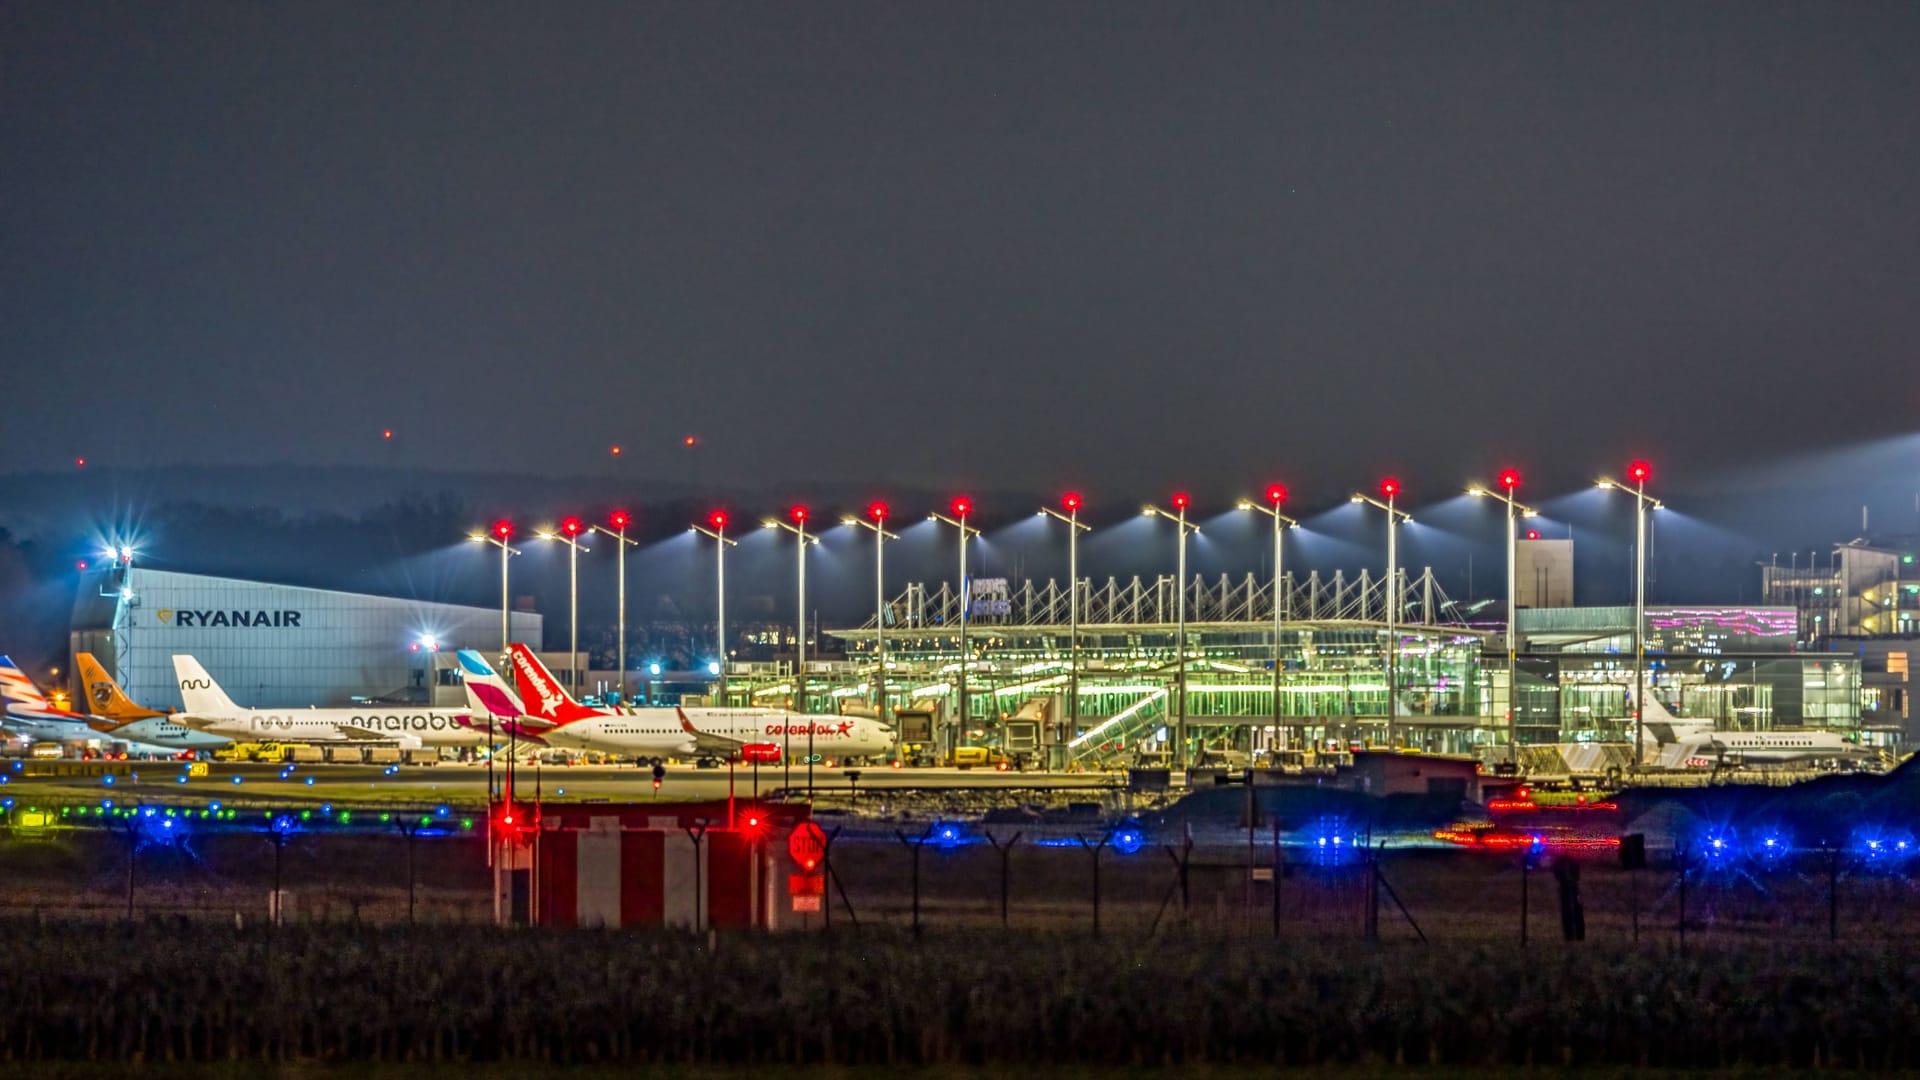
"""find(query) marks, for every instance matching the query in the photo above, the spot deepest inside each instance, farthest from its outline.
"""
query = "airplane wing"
(705, 742)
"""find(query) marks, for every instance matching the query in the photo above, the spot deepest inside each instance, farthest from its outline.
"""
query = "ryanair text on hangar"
(190, 617)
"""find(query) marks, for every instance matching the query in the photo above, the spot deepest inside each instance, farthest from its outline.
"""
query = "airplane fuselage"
(408, 727)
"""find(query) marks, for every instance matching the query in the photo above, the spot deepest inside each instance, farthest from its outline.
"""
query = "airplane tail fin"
(19, 688)
(487, 693)
(541, 695)
(1665, 728)
(105, 699)
(198, 692)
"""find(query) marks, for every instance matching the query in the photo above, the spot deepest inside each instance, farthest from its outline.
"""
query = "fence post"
(1095, 850)
(914, 845)
(1833, 892)
(1277, 867)
(1681, 857)
(1004, 851)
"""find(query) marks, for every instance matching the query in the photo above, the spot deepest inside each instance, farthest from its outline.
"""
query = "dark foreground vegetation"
(189, 993)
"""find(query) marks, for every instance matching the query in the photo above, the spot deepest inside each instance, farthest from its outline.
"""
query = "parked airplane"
(115, 716)
(689, 732)
(31, 716)
(1679, 744)
(209, 709)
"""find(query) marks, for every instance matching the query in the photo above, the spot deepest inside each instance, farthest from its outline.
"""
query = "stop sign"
(807, 844)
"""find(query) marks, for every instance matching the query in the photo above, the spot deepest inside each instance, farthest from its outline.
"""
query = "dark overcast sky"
(1011, 244)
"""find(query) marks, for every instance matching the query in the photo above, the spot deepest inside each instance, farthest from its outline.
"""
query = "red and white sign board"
(653, 866)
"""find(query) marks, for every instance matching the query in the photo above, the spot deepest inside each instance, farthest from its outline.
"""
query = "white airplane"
(31, 716)
(1684, 744)
(209, 709)
(695, 732)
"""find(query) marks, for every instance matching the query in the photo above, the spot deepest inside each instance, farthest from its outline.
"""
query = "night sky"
(1119, 245)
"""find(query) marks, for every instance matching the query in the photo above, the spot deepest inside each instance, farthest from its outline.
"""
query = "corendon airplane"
(209, 709)
(115, 716)
(695, 732)
(30, 715)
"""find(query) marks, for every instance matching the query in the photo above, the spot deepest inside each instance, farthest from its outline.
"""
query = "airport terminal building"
(278, 645)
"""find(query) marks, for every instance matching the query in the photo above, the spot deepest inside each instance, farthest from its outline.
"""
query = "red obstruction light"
(798, 513)
(386, 433)
(1071, 500)
(83, 564)
(689, 441)
(717, 519)
(614, 449)
(1510, 478)
(80, 462)
(503, 528)
(877, 511)
(620, 519)
(1533, 534)
(1180, 500)
(1639, 472)
(1389, 487)
(1276, 494)
(962, 506)
(571, 526)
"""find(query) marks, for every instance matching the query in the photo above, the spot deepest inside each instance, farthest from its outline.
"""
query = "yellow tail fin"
(104, 696)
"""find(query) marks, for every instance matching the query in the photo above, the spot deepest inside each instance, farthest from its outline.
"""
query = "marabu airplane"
(685, 733)
(210, 710)
(115, 716)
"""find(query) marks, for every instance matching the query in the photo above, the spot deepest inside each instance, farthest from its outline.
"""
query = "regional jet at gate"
(689, 732)
(209, 709)
(1680, 744)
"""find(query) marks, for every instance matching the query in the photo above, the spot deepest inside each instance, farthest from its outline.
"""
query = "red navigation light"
(1639, 472)
(503, 529)
(877, 511)
(1389, 487)
(798, 513)
(717, 519)
(1071, 500)
(387, 433)
(1276, 494)
(571, 526)
(962, 506)
(83, 564)
(614, 449)
(620, 519)
(689, 441)
(1533, 534)
(1180, 500)
(1510, 479)
(413, 646)
(80, 462)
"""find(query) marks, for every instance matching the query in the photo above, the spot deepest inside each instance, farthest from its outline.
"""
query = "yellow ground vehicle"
(971, 757)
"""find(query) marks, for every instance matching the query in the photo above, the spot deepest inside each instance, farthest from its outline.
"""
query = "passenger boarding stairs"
(1113, 740)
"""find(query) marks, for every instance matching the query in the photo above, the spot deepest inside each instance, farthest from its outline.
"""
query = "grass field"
(314, 996)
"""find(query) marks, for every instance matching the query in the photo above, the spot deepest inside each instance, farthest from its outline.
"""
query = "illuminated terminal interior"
(1737, 665)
